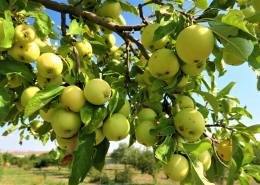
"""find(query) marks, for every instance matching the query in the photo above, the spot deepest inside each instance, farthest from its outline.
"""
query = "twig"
(127, 78)
(134, 50)
(212, 139)
(78, 3)
(63, 24)
(77, 57)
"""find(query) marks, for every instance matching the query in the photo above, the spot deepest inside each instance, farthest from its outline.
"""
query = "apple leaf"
(225, 91)
(44, 138)
(157, 84)
(202, 4)
(222, 4)
(98, 48)
(33, 6)
(113, 101)
(4, 103)
(216, 169)
(8, 31)
(83, 158)
(253, 19)
(42, 23)
(157, 107)
(46, 127)
(64, 50)
(44, 48)
(41, 98)
(76, 28)
(242, 111)
(126, 7)
(3, 6)
(54, 34)
(165, 151)
(12, 116)
(10, 130)
(100, 158)
(165, 28)
(198, 147)
(254, 58)
(164, 128)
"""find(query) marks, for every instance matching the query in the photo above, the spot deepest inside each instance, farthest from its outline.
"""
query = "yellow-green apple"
(63, 142)
(106, 30)
(257, 29)
(84, 49)
(65, 123)
(256, 5)
(149, 89)
(195, 43)
(99, 135)
(27, 94)
(147, 76)
(97, 91)
(46, 116)
(35, 124)
(114, 49)
(140, 79)
(27, 53)
(177, 168)
(147, 38)
(116, 127)
(189, 123)
(163, 64)
(120, 20)
(15, 81)
(109, 40)
(184, 102)
(225, 150)
(125, 110)
(100, 124)
(146, 114)
(142, 133)
(100, 11)
(248, 12)
(19, 105)
(194, 70)
(72, 97)
(183, 81)
(232, 59)
(111, 9)
(24, 33)
(205, 158)
(102, 60)
(43, 81)
(49, 65)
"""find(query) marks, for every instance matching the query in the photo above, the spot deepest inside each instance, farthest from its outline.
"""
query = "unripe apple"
(114, 49)
(248, 12)
(225, 150)
(99, 136)
(43, 81)
(120, 20)
(189, 123)
(106, 30)
(183, 81)
(195, 44)
(24, 33)
(140, 79)
(149, 89)
(163, 64)
(97, 91)
(257, 29)
(116, 128)
(35, 124)
(2, 33)
(46, 116)
(28, 94)
(15, 81)
(256, 5)
(147, 38)
(102, 60)
(111, 9)
(100, 11)
(109, 40)
(177, 168)
(65, 123)
(100, 124)
(194, 70)
(84, 49)
(143, 59)
(63, 142)
(147, 75)
(72, 97)
(49, 65)
(126, 109)
(142, 133)
(184, 102)
(27, 53)
(19, 105)
(205, 158)
(232, 59)
(146, 114)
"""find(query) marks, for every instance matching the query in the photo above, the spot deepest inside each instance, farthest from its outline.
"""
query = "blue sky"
(245, 90)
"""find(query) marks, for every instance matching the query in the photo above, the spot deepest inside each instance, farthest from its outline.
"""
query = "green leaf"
(64, 50)
(100, 158)
(254, 129)
(19, 5)
(98, 48)
(253, 19)
(113, 101)
(44, 48)
(254, 58)
(222, 4)
(210, 98)
(126, 7)
(10, 130)
(41, 98)
(44, 138)
(75, 28)
(225, 91)
(165, 151)
(54, 34)
(46, 127)
(157, 84)
(8, 31)
(219, 63)
(198, 147)
(164, 29)
(42, 24)
(164, 128)
(212, 13)
(241, 111)
(4, 104)
(156, 106)
(82, 159)
(33, 6)
(202, 4)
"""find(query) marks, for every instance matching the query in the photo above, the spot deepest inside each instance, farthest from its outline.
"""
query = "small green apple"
(146, 114)
(2, 33)
(120, 20)
(15, 81)
(19, 105)
(232, 59)
(99, 135)
(256, 5)
(140, 79)
(106, 30)
(111, 9)
(63, 142)
(205, 158)
(27, 95)
(109, 40)
(147, 75)
(194, 70)
(149, 89)
(24, 33)
(126, 109)
(248, 12)
(183, 81)
(43, 81)
(35, 124)
(102, 60)
(184, 102)
(46, 116)
(84, 49)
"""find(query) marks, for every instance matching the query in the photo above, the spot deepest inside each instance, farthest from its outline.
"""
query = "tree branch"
(77, 56)
(63, 24)
(78, 3)
(134, 50)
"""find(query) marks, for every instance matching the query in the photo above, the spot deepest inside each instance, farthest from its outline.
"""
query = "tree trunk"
(155, 176)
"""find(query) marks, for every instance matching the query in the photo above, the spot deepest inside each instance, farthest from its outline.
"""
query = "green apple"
(89, 3)
(183, 81)
(225, 150)
(109, 40)
(111, 9)
(147, 38)
(15, 81)
(189, 123)
(140, 79)
(120, 20)
(126, 109)
(27, 95)
(99, 135)
(248, 12)
(97, 91)
(65, 123)
(195, 44)
(232, 59)
(146, 114)
(19, 105)
(72, 97)
(100, 11)
(24, 33)
(84, 49)
(257, 28)
(163, 64)
(49, 65)
(147, 75)
(205, 158)
(46, 116)
(35, 124)
(102, 60)
(256, 5)
(100, 124)
(177, 168)
(149, 89)
(43, 82)
(184, 102)
(63, 142)
(114, 49)
(116, 127)
(106, 30)
(142, 133)
(194, 70)
(27, 53)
